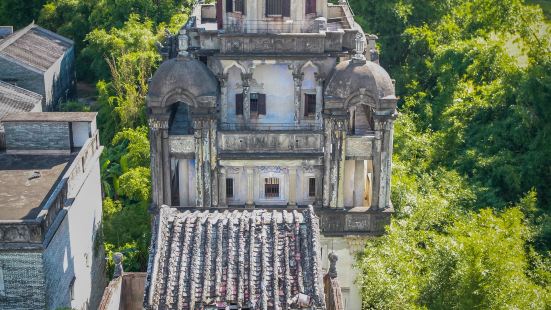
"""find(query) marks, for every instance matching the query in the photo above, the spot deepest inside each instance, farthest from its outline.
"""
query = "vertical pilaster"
(223, 80)
(292, 186)
(246, 80)
(328, 133)
(320, 80)
(158, 124)
(298, 77)
(222, 187)
(183, 182)
(382, 160)
(214, 161)
(166, 167)
(250, 186)
(340, 160)
(199, 162)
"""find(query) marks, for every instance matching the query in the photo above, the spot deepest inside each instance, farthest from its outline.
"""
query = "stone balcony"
(335, 32)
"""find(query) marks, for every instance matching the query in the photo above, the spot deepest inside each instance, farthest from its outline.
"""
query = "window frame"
(284, 6)
(230, 181)
(310, 7)
(312, 187)
(307, 104)
(272, 188)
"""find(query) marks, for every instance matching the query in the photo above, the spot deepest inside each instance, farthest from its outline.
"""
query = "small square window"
(271, 187)
(312, 187)
(229, 188)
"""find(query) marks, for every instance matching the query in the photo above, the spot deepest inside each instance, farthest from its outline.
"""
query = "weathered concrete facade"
(51, 255)
(274, 104)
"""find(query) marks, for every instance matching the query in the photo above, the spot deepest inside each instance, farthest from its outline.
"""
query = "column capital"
(222, 79)
(298, 76)
(320, 77)
(246, 78)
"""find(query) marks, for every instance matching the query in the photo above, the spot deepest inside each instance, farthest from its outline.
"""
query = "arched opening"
(360, 119)
(180, 122)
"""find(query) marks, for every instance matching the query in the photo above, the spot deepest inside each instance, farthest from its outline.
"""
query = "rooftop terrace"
(25, 181)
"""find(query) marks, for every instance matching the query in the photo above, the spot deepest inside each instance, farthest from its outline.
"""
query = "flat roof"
(21, 195)
(50, 117)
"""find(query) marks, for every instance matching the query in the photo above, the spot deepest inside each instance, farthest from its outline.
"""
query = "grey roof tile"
(35, 46)
(15, 99)
(256, 259)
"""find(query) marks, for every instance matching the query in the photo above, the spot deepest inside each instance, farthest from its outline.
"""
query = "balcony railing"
(271, 26)
(268, 127)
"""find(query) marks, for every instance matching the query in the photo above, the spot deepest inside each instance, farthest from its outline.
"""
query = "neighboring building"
(240, 259)
(40, 61)
(14, 99)
(277, 104)
(51, 255)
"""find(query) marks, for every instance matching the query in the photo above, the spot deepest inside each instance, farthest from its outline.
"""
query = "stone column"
(292, 186)
(340, 160)
(320, 79)
(382, 160)
(158, 135)
(214, 161)
(183, 174)
(246, 80)
(328, 134)
(250, 187)
(298, 77)
(199, 188)
(222, 188)
(223, 80)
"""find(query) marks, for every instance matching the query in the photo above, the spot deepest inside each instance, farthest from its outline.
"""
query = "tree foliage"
(471, 166)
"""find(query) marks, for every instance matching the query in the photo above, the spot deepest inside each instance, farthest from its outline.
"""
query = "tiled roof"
(16, 99)
(51, 117)
(35, 46)
(255, 259)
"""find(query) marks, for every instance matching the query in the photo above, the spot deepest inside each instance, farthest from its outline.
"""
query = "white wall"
(81, 133)
(71, 251)
(276, 81)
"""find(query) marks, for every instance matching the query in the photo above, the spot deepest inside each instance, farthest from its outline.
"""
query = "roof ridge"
(21, 90)
(7, 41)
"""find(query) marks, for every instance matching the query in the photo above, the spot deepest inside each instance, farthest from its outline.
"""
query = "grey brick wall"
(37, 136)
(23, 281)
(23, 77)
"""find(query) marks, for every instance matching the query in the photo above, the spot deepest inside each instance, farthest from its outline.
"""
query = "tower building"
(276, 104)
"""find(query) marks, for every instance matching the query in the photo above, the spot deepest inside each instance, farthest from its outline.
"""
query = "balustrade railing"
(268, 127)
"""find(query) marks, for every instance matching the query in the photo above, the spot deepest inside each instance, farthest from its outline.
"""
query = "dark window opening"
(203, 59)
(310, 6)
(271, 187)
(229, 188)
(309, 104)
(278, 7)
(229, 6)
(258, 104)
(312, 187)
(240, 6)
(239, 104)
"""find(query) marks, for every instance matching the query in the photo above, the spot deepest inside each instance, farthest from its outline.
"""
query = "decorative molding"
(274, 169)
